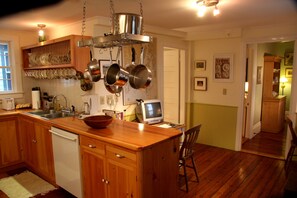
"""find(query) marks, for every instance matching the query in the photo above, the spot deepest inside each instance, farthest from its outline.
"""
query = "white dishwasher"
(67, 161)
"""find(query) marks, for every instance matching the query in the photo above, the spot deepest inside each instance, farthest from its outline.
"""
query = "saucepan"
(116, 75)
(140, 75)
(94, 68)
(127, 23)
(114, 89)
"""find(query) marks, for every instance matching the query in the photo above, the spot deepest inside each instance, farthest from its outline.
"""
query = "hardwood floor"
(267, 144)
(226, 173)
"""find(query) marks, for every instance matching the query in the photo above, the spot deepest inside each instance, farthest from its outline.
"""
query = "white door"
(173, 104)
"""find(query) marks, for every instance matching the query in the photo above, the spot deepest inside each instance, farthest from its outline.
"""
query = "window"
(5, 72)
(10, 67)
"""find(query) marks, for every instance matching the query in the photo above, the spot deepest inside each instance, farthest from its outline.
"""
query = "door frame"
(293, 101)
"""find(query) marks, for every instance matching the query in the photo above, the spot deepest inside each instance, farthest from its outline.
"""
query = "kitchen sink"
(52, 115)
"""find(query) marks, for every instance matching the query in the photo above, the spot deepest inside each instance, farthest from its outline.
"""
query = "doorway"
(254, 140)
(173, 85)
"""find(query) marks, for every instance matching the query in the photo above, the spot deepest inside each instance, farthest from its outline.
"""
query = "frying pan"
(140, 76)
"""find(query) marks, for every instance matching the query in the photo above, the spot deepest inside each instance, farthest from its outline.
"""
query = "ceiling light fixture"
(202, 6)
(41, 33)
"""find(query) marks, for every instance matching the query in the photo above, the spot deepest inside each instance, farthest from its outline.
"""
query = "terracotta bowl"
(98, 121)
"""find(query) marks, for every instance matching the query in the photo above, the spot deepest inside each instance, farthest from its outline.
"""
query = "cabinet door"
(121, 180)
(121, 172)
(93, 174)
(9, 145)
(44, 150)
(28, 141)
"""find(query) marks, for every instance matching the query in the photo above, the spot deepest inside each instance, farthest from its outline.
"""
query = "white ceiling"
(170, 14)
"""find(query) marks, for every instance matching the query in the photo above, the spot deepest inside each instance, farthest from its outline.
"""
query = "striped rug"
(23, 185)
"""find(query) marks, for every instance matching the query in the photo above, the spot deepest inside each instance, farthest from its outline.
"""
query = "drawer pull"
(119, 156)
(92, 146)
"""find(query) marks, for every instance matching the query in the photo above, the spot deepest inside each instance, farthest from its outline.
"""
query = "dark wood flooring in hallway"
(267, 144)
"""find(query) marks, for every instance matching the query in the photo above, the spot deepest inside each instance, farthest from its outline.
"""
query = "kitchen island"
(125, 159)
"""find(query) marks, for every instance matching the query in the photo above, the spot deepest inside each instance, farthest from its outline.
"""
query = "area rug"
(23, 185)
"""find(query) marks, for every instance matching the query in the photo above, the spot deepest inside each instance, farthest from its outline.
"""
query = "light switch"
(224, 91)
(102, 100)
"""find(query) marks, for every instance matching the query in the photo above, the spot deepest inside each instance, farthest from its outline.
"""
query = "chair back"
(293, 133)
(190, 138)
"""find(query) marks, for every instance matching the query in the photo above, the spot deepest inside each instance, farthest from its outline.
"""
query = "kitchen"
(203, 43)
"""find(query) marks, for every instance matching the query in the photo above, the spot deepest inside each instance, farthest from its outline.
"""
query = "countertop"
(131, 135)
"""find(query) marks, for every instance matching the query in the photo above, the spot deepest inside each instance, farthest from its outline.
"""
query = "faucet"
(55, 102)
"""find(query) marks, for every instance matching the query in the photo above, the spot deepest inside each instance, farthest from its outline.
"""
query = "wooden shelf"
(56, 53)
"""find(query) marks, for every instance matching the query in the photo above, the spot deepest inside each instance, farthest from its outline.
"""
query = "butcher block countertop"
(131, 135)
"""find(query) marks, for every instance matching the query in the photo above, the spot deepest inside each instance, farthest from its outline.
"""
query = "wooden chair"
(293, 144)
(186, 151)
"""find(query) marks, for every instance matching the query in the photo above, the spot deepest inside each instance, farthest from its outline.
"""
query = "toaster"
(8, 103)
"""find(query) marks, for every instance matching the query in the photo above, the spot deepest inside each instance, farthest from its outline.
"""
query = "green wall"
(218, 124)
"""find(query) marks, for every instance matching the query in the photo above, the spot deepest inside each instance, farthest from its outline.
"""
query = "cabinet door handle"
(34, 141)
(106, 181)
(103, 180)
(92, 146)
(119, 156)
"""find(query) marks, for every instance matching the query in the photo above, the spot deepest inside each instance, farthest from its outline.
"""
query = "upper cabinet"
(271, 76)
(57, 53)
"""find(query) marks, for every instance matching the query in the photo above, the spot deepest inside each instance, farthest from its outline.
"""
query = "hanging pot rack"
(113, 40)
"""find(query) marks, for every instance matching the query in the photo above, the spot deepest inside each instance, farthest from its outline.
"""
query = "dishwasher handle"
(62, 136)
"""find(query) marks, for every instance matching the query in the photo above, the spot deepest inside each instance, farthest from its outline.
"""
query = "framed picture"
(104, 64)
(200, 83)
(259, 75)
(200, 65)
(223, 68)
(289, 72)
(288, 60)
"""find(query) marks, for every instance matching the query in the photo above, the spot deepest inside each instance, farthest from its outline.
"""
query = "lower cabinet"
(273, 114)
(115, 172)
(9, 141)
(36, 143)
(107, 171)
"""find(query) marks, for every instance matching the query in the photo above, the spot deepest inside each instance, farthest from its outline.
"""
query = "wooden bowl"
(98, 121)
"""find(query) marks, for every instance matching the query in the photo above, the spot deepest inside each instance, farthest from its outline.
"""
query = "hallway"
(267, 144)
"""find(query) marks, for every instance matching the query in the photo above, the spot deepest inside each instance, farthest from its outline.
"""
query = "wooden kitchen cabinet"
(113, 171)
(107, 171)
(273, 114)
(9, 141)
(57, 53)
(37, 147)
(273, 104)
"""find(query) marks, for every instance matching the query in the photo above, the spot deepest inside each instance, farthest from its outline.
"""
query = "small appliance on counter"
(8, 103)
(36, 103)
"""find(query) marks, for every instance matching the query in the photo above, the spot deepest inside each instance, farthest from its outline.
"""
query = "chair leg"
(185, 175)
(289, 158)
(194, 167)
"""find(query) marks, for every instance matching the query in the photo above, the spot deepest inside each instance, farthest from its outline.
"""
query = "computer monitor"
(149, 111)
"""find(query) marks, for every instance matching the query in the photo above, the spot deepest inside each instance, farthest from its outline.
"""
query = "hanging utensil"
(140, 76)
(116, 75)
(114, 89)
(94, 67)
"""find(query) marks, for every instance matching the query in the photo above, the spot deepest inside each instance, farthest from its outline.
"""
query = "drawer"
(120, 155)
(92, 144)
